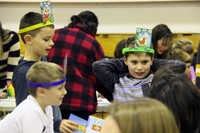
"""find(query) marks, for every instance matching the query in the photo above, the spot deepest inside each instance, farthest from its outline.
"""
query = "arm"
(13, 56)
(159, 62)
(62, 125)
(108, 71)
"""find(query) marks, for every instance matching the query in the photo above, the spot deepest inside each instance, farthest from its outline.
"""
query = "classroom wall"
(117, 20)
(114, 17)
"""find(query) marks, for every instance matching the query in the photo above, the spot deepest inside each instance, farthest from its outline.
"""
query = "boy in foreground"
(46, 83)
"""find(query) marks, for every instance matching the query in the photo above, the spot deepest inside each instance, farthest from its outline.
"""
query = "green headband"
(36, 26)
(138, 49)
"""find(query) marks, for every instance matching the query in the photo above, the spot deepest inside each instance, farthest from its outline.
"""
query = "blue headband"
(46, 85)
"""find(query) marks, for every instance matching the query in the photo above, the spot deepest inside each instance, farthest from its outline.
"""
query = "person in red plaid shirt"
(75, 49)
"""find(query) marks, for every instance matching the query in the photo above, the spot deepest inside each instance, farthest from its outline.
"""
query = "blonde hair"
(143, 115)
(43, 72)
(184, 44)
(178, 54)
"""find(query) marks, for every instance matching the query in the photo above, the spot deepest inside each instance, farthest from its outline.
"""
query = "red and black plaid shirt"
(82, 50)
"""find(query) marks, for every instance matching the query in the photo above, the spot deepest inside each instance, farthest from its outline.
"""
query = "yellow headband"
(36, 26)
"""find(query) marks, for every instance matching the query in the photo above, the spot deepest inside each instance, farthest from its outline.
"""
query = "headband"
(142, 42)
(36, 26)
(138, 49)
(46, 85)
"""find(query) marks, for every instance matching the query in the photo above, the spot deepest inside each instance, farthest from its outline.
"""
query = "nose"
(139, 66)
(64, 91)
(51, 43)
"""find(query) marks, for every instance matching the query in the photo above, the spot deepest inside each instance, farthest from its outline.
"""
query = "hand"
(3, 95)
(67, 126)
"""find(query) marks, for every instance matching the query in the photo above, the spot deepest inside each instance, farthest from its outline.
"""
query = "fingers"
(67, 126)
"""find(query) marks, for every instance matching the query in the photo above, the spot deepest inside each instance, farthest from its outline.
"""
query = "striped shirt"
(10, 58)
(129, 88)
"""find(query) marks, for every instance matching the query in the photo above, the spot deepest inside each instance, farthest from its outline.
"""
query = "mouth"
(48, 50)
(139, 73)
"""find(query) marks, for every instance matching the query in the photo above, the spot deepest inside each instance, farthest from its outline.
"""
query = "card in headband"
(142, 42)
(46, 10)
(143, 37)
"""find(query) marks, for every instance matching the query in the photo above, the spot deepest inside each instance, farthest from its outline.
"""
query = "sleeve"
(160, 62)
(19, 84)
(108, 71)
(13, 56)
(98, 50)
(197, 71)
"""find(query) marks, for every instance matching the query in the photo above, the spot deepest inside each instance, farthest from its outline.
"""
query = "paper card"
(143, 37)
(46, 10)
(94, 125)
(82, 123)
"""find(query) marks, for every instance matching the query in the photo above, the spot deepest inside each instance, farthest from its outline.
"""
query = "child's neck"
(41, 104)
(30, 57)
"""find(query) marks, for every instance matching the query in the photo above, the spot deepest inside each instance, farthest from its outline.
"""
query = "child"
(125, 86)
(46, 83)
(143, 115)
(179, 54)
(37, 36)
(161, 40)
(173, 88)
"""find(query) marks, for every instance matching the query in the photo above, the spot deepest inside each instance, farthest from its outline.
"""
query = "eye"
(145, 62)
(134, 62)
(46, 39)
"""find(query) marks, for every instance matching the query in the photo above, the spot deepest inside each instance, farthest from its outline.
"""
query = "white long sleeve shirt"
(28, 117)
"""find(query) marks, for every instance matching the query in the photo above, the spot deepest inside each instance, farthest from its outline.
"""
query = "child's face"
(42, 42)
(55, 95)
(138, 66)
(162, 45)
(187, 70)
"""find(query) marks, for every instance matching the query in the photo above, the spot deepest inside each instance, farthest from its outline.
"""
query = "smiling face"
(138, 64)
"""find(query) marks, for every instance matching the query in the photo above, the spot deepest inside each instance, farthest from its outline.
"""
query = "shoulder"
(23, 66)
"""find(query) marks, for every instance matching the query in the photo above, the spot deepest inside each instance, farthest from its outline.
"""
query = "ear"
(152, 60)
(27, 39)
(40, 91)
(125, 60)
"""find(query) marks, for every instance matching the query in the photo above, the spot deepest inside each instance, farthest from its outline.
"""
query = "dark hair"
(158, 32)
(86, 21)
(118, 49)
(182, 97)
(29, 19)
(123, 44)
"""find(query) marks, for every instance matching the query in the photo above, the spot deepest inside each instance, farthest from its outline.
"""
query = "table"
(102, 105)
(7, 104)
